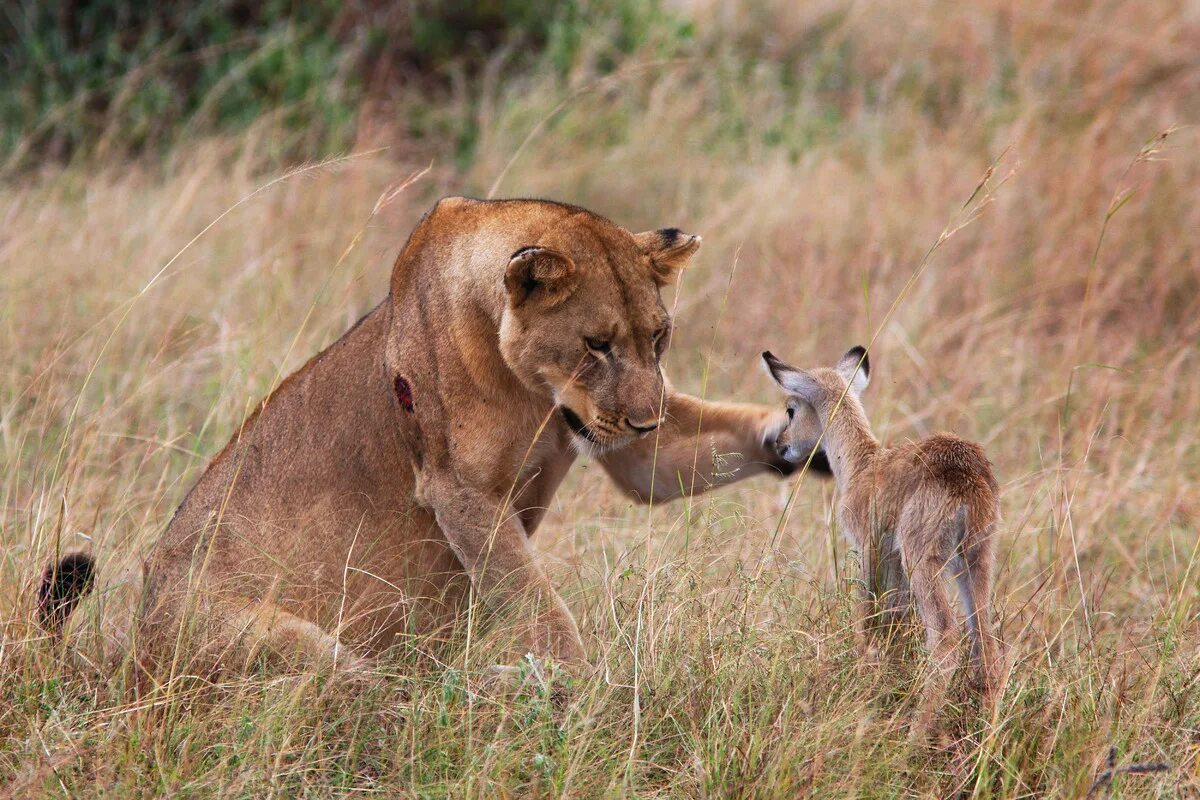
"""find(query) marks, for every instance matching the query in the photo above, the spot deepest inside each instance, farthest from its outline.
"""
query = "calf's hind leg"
(975, 587)
(924, 562)
(937, 615)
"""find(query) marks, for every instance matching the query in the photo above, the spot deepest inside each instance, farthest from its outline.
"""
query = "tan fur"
(911, 510)
(337, 522)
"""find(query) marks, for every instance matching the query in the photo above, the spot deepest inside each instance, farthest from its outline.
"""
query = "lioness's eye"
(601, 346)
(659, 338)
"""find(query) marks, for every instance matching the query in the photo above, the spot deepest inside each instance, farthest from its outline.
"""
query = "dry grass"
(726, 636)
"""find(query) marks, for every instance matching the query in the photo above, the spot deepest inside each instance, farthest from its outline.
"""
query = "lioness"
(412, 459)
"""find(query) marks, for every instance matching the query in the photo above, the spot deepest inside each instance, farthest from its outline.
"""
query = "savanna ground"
(149, 298)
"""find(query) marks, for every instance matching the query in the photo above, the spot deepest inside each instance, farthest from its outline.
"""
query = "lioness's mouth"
(577, 426)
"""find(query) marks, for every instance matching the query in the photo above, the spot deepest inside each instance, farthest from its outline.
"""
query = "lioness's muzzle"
(577, 425)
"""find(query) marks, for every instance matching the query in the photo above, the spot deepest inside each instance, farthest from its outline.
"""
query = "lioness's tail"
(64, 583)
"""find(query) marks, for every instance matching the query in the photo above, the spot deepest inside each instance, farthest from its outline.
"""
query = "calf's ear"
(670, 250)
(539, 275)
(855, 368)
(794, 381)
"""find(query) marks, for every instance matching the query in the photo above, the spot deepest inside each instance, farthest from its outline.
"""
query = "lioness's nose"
(643, 426)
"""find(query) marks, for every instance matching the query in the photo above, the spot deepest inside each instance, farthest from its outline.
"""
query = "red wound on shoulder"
(404, 393)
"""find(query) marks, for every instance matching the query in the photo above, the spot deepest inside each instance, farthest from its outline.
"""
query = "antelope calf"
(916, 512)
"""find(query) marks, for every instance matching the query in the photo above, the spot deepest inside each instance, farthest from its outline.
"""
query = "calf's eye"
(791, 412)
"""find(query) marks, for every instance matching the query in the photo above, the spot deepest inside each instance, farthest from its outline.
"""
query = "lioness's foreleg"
(491, 544)
(700, 445)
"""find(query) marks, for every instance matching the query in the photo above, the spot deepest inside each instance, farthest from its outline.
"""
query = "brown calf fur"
(412, 459)
(911, 510)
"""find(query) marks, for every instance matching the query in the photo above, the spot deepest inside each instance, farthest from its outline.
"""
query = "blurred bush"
(124, 76)
(87, 78)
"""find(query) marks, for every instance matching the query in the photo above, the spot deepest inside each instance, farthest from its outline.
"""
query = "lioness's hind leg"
(263, 627)
(212, 635)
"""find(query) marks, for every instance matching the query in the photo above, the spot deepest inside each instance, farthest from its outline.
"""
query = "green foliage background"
(132, 76)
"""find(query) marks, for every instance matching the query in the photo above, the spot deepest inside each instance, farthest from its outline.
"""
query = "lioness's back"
(270, 502)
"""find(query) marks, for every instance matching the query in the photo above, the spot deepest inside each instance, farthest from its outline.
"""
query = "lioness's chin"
(586, 440)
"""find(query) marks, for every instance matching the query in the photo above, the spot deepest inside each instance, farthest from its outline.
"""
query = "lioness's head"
(585, 320)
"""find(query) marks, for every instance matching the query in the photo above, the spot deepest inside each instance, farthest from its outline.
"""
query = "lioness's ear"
(670, 250)
(541, 274)
(855, 369)
(792, 380)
